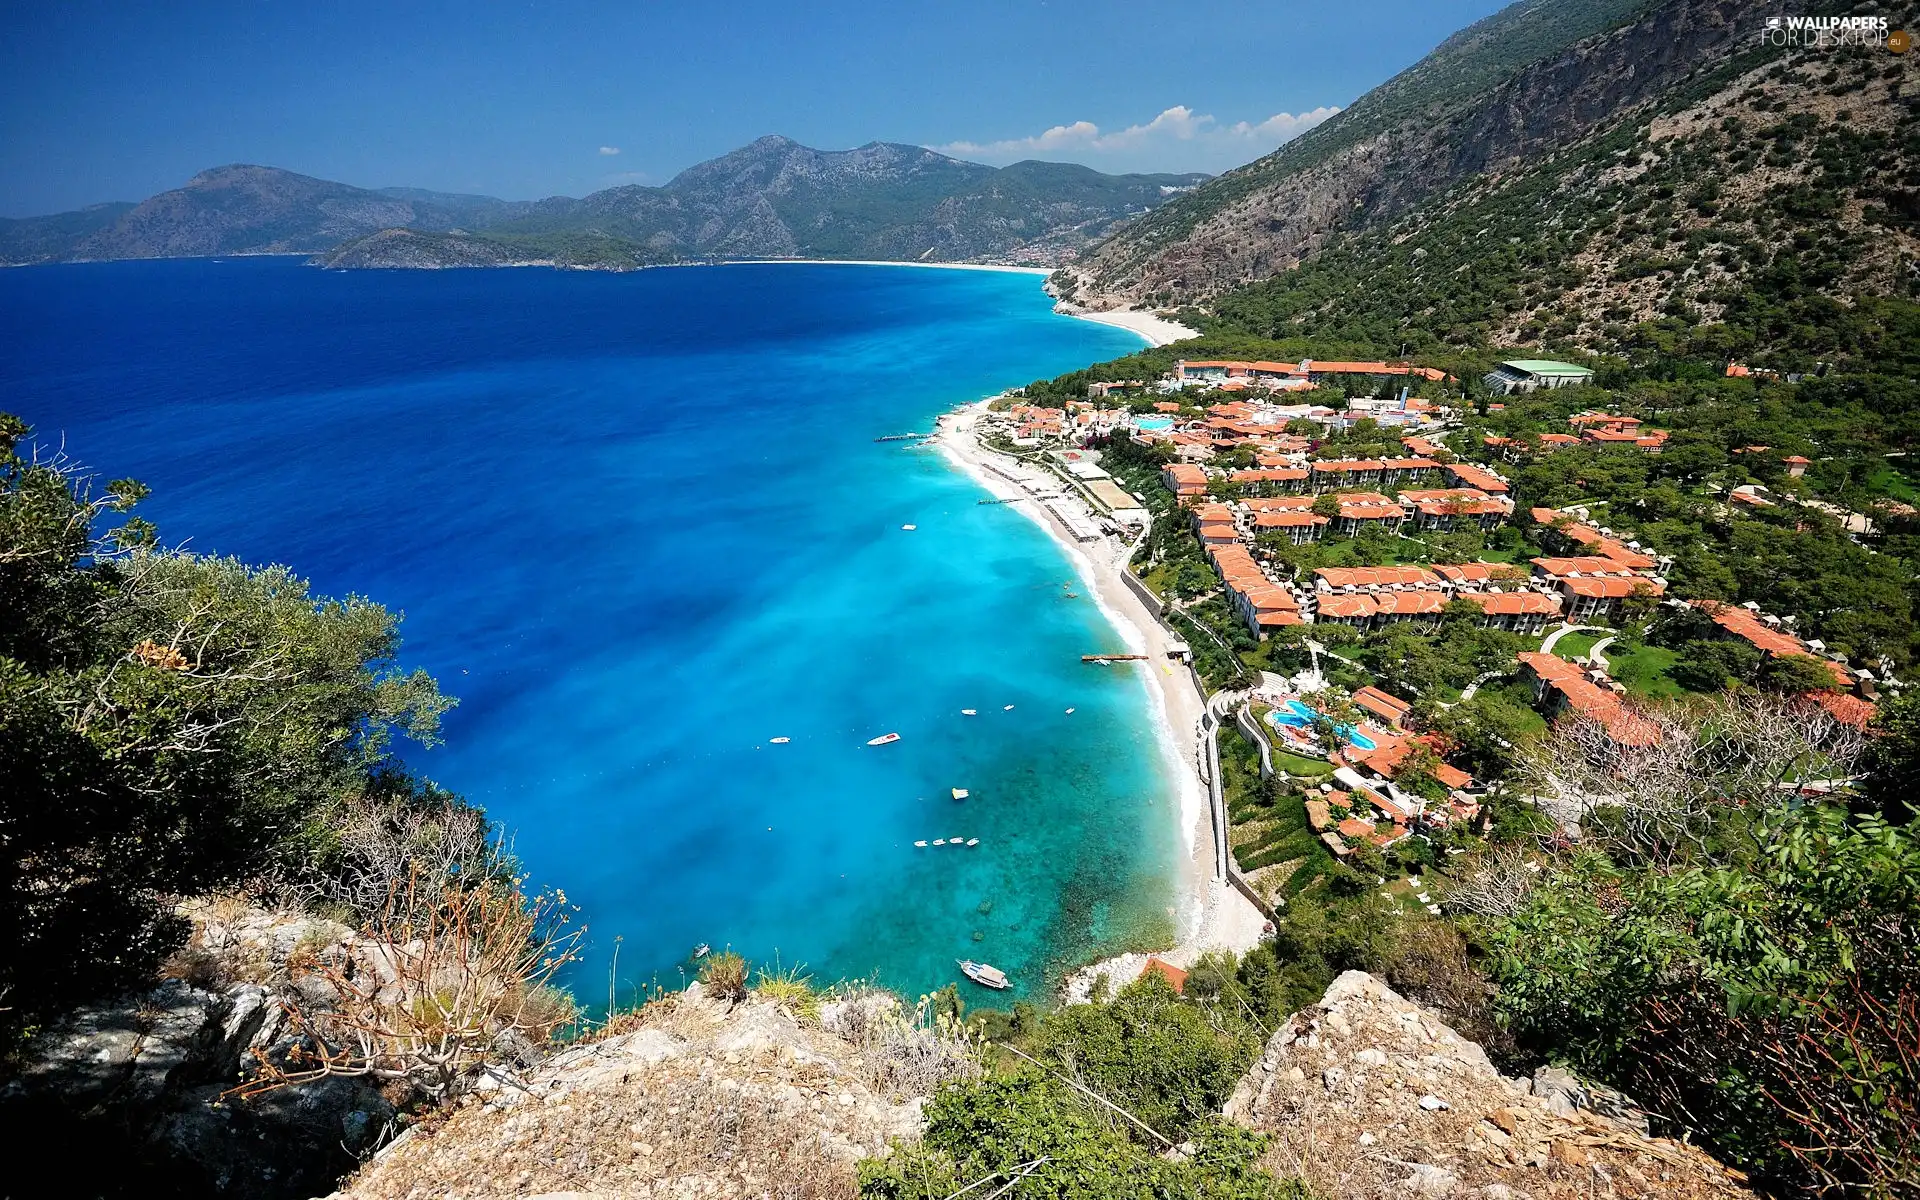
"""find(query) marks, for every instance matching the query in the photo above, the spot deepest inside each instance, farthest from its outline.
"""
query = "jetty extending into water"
(900, 437)
(1113, 658)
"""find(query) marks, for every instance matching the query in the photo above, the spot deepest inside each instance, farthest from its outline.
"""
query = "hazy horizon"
(112, 101)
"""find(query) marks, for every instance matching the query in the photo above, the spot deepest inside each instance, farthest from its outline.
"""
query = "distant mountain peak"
(773, 197)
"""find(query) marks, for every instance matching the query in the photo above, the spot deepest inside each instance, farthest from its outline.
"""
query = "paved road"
(1546, 647)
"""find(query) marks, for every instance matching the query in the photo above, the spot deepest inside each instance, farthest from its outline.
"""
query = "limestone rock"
(1370, 1096)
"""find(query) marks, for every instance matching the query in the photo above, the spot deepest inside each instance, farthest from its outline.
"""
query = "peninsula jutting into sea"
(1292, 633)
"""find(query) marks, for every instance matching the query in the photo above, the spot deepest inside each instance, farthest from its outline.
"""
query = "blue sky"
(105, 100)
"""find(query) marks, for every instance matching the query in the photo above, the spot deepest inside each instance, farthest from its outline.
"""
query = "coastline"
(1208, 913)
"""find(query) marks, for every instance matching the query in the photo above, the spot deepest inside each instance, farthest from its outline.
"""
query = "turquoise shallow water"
(639, 525)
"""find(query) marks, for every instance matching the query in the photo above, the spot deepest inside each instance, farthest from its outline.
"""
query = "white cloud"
(609, 150)
(1179, 139)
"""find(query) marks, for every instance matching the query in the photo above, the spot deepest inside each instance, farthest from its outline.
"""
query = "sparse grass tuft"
(791, 989)
(725, 976)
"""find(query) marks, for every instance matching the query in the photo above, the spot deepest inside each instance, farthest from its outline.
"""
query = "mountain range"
(1599, 176)
(773, 198)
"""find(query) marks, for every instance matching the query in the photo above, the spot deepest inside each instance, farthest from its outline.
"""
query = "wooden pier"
(1113, 658)
(900, 437)
(1008, 500)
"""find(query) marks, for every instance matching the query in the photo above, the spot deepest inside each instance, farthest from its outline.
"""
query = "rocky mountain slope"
(1774, 199)
(772, 198)
(1365, 1095)
(1508, 90)
(1368, 1095)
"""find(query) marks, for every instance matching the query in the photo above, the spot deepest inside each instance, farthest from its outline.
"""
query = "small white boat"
(783, 741)
(909, 528)
(702, 950)
(939, 841)
(1008, 708)
(883, 739)
(922, 843)
(973, 841)
(1069, 712)
(954, 841)
(984, 975)
(969, 712)
(961, 793)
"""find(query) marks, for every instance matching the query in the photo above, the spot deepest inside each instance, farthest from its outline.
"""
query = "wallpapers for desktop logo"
(1827, 33)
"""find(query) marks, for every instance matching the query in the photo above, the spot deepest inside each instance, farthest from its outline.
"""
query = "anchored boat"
(960, 793)
(984, 975)
(883, 739)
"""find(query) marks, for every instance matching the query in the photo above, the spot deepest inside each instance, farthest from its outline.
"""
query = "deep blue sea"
(639, 526)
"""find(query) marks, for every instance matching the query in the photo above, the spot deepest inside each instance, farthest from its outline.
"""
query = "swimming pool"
(1153, 424)
(1298, 716)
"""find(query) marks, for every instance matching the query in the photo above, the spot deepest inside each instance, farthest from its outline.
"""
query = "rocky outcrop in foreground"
(137, 1084)
(703, 1098)
(1369, 1095)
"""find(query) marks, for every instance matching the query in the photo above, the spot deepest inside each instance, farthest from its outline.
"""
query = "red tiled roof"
(1287, 518)
(1278, 503)
(1357, 605)
(1167, 971)
(1513, 603)
(1477, 477)
(1410, 603)
(1354, 827)
(1337, 577)
(1596, 564)
(1368, 511)
(1376, 701)
(1610, 587)
(1851, 710)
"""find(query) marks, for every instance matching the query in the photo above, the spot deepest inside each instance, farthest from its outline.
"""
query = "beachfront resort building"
(1534, 375)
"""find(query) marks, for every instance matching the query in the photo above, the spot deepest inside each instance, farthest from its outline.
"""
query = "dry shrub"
(725, 976)
(902, 1053)
(198, 967)
(450, 985)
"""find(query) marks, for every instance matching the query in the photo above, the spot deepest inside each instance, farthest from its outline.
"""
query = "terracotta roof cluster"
(1386, 762)
(1592, 539)
(1447, 501)
(1270, 475)
(1513, 604)
(1476, 572)
(1375, 577)
(1345, 604)
(1188, 480)
(1605, 420)
(1469, 475)
(1381, 704)
(1591, 700)
(1274, 606)
(1237, 568)
(1286, 518)
(1611, 587)
(1421, 446)
(1592, 564)
(1278, 503)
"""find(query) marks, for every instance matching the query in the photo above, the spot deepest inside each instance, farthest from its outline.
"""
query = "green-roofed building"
(1533, 375)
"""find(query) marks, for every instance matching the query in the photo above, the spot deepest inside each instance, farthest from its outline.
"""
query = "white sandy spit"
(1208, 914)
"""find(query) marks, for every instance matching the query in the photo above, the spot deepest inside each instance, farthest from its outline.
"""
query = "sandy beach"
(1156, 329)
(1208, 912)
